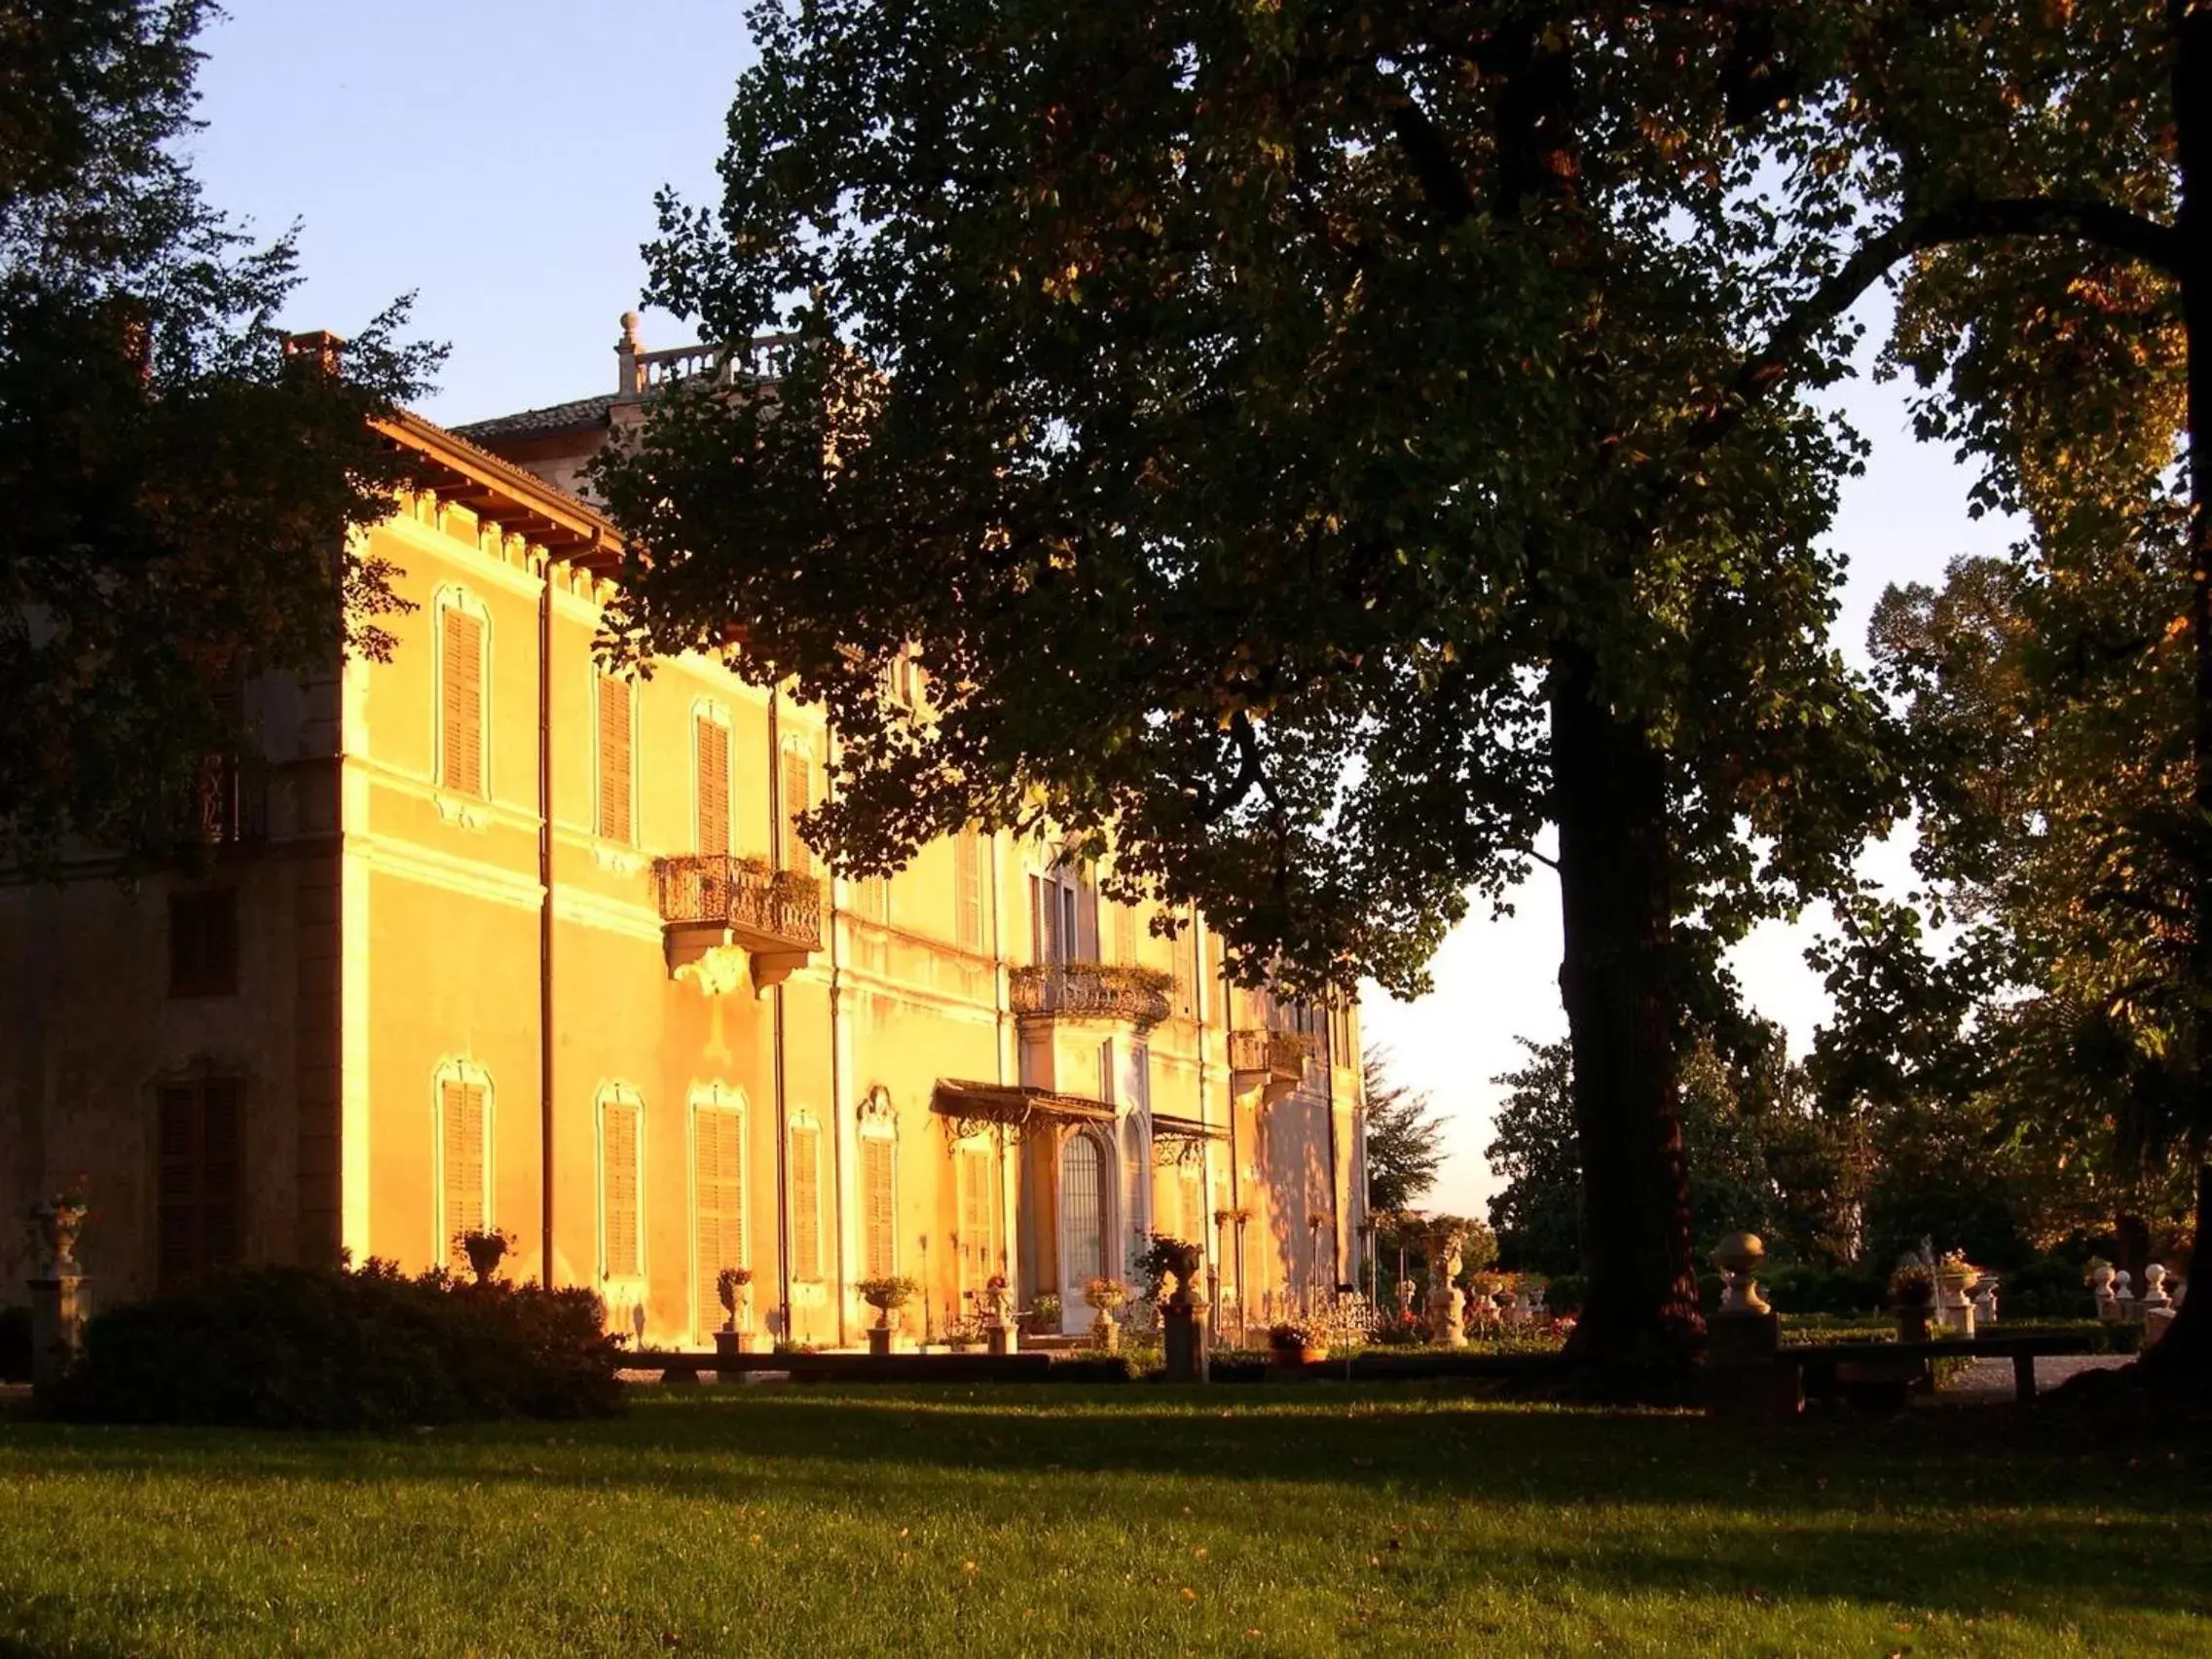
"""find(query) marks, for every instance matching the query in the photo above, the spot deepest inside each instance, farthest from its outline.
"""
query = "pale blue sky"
(498, 157)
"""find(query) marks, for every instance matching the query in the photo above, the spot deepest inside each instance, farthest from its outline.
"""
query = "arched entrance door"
(1083, 1226)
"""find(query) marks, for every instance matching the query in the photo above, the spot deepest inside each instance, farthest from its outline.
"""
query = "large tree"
(1320, 445)
(2054, 162)
(178, 484)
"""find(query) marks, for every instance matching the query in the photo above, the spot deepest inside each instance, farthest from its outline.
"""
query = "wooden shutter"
(806, 1202)
(1185, 949)
(879, 1156)
(618, 1176)
(713, 785)
(979, 1215)
(196, 1197)
(461, 700)
(717, 1203)
(798, 796)
(462, 1129)
(967, 889)
(614, 763)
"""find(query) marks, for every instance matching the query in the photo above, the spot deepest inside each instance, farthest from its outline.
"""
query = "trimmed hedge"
(335, 1348)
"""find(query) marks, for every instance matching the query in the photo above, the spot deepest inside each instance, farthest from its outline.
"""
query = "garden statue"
(1407, 1290)
(1103, 1296)
(1447, 1323)
(733, 1288)
(61, 1302)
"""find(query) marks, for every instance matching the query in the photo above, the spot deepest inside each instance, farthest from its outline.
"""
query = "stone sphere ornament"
(1738, 1257)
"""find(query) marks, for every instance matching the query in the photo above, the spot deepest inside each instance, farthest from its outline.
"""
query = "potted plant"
(1294, 1344)
(1913, 1294)
(1043, 1319)
(998, 1321)
(886, 1296)
(1104, 1296)
(733, 1289)
(486, 1247)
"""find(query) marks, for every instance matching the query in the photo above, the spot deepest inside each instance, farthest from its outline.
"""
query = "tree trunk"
(1640, 1317)
(2186, 1350)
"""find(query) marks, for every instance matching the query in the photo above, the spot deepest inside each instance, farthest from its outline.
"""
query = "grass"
(1133, 1520)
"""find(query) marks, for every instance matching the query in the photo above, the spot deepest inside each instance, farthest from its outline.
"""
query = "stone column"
(61, 1297)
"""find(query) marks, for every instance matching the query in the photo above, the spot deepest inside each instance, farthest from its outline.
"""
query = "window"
(798, 796)
(709, 733)
(461, 629)
(718, 1192)
(806, 1200)
(879, 1214)
(622, 1249)
(1190, 1178)
(617, 717)
(465, 1204)
(203, 943)
(1060, 906)
(198, 1186)
(1184, 951)
(967, 889)
(972, 1169)
(874, 896)
(1340, 1049)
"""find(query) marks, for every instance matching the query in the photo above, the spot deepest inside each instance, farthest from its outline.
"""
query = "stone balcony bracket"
(713, 903)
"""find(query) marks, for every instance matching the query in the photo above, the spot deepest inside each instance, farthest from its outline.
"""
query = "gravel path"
(1992, 1378)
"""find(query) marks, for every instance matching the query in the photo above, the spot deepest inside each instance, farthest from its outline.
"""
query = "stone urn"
(1182, 1260)
(1738, 1257)
(1106, 1332)
(485, 1252)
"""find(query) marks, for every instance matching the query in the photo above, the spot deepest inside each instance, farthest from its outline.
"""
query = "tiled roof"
(583, 413)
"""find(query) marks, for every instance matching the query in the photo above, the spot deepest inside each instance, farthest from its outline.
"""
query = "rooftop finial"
(632, 336)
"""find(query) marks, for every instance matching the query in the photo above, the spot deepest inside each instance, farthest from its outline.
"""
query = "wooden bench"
(1817, 1365)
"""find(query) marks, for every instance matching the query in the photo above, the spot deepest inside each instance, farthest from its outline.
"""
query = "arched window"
(1082, 1209)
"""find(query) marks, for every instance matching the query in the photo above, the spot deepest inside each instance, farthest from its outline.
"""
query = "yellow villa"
(498, 940)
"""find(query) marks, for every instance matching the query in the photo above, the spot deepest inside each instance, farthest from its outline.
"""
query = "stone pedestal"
(1743, 1380)
(1002, 1338)
(879, 1340)
(60, 1308)
(1184, 1336)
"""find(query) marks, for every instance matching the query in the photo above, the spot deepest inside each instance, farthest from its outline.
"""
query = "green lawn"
(1135, 1520)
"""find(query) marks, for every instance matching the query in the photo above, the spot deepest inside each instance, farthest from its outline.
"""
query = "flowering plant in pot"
(887, 1295)
(1295, 1344)
(1044, 1316)
(486, 1247)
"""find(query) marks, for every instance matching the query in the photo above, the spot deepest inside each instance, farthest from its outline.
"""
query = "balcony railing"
(1281, 1054)
(1090, 991)
(644, 372)
(763, 910)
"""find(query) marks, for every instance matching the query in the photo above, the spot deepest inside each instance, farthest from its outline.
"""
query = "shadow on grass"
(1969, 1521)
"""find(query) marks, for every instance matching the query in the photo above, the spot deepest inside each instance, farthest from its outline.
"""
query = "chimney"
(317, 348)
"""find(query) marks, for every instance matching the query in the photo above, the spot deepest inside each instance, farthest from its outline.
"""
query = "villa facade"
(498, 938)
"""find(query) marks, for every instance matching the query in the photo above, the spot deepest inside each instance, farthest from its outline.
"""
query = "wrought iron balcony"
(713, 901)
(1090, 991)
(1276, 1060)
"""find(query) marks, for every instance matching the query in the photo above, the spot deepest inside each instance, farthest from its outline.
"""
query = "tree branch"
(2113, 228)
